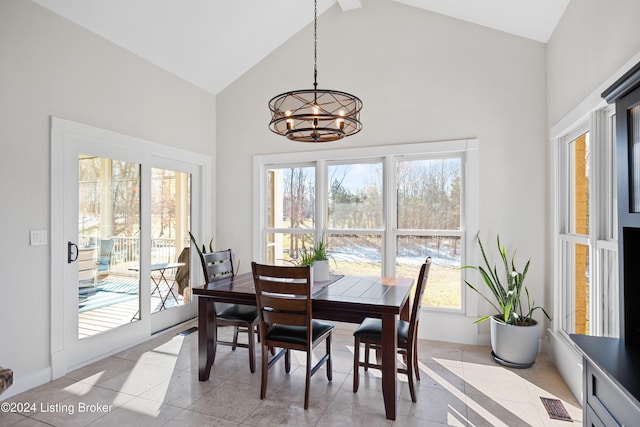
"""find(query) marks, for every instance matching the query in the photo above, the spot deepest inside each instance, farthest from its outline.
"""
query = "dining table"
(345, 298)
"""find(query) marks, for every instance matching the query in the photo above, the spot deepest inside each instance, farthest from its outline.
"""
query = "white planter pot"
(320, 271)
(514, 346)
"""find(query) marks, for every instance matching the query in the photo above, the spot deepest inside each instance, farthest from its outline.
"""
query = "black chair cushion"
(371, 329)
(298, 334)
(246, 313)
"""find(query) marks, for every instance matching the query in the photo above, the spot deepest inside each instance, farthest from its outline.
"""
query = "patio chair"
(104, 257)
(87, 266)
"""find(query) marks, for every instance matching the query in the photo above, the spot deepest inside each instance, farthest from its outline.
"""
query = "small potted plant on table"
(318, 258)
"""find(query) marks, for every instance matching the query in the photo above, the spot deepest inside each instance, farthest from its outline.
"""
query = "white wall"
(592, 40)
(49, 66)
(594, 43)
(422, 77)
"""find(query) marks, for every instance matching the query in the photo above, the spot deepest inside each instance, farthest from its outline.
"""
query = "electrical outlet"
(38, 237)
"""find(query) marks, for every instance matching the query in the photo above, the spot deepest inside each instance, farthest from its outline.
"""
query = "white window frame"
(602, 239)
(389, 154)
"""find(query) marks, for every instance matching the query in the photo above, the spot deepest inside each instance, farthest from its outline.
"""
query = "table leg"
(389, 364)
(207, 330)
(163, 278)
(157, 283)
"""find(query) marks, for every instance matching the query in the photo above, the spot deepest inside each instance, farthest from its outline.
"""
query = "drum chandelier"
(315, 115)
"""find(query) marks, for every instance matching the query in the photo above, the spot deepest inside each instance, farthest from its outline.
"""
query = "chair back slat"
(281, 303)
(217, 265)
(222, 267)
(289, 287)
(279, 272)
(289, 319)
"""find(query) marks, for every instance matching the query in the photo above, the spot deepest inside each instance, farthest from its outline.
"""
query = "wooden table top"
(348, 298)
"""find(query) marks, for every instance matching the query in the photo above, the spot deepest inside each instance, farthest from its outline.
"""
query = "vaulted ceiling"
(191, 38)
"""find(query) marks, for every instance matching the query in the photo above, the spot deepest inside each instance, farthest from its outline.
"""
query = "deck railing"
(126, 251)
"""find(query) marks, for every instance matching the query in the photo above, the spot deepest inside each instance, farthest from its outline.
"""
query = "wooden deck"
(102, 319)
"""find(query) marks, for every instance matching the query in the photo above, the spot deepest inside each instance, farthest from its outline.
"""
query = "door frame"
(64, 343)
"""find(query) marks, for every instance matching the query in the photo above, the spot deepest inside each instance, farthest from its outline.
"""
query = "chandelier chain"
(315, 44)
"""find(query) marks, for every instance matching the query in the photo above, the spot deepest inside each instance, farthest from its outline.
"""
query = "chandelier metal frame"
(315, 115)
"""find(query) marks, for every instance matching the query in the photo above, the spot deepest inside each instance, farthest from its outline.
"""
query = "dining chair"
(244, 318)
(370, 333)
(283, 296)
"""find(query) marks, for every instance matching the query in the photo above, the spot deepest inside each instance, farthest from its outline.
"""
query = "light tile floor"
(156, 384)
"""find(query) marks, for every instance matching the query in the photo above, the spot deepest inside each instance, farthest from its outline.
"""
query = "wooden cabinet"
(606, 401)
(591, 419)
(611, 382)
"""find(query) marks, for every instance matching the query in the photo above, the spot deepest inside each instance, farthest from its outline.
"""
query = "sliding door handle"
(72, 252)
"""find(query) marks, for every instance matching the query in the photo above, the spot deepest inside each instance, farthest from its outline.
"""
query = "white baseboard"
(452, 327)
(446, 327)
(568, 362)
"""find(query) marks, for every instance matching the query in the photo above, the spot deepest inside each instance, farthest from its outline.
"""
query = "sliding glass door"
(121, 264)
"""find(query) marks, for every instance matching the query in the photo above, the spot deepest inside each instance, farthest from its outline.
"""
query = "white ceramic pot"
(514, 346)
(320, 271)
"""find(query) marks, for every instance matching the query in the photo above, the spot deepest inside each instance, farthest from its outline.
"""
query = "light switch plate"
(38, 237)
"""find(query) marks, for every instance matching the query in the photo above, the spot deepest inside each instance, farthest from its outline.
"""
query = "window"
(586, 257)
(428, 223)
(355, 222)
(381, 210)
(290, 212)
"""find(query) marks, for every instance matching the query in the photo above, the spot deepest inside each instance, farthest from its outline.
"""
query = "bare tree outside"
(298, 200)
(123, 177)
(429, 194)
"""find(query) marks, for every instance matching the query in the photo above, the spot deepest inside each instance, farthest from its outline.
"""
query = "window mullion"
(597, 194)
(390, 222)
(321, 199)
